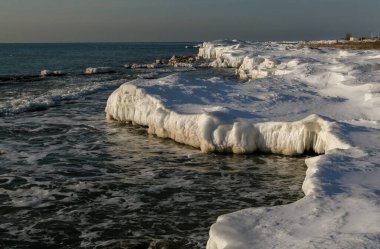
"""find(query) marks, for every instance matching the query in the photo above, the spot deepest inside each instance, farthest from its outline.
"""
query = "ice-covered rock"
(146, 66)
(139, 66)
(51, 73)
(98, 70)
(183, 64)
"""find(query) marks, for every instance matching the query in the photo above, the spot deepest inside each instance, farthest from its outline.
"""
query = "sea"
(71, 179)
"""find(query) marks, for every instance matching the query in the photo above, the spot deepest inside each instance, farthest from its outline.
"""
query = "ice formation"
(237, 55)
(210, 131)
(301, 99)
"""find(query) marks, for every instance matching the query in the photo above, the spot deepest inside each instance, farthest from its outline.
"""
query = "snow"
(294, 100)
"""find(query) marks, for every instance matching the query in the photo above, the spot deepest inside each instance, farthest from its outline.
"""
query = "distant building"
(353, 38)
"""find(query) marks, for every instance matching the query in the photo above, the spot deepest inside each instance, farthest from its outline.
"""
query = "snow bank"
(98, 70)
(340, 210)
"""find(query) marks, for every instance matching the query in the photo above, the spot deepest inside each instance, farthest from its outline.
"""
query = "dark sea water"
(70, 179)
(30, 59)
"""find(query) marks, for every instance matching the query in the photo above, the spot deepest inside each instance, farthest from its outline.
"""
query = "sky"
(185, 20)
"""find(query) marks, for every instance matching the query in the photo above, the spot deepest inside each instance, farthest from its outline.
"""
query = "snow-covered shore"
(297, 100)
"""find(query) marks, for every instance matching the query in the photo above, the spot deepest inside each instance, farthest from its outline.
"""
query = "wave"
(54, 97)
(6, 78)
(31, 99)
(53, 73)
(45, 73)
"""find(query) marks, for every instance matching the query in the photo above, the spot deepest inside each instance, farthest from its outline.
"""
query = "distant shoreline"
(339, 44)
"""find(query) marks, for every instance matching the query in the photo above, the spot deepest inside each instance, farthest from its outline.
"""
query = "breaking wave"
(30, 102)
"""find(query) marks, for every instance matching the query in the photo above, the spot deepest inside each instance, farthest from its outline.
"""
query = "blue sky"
(184, 20)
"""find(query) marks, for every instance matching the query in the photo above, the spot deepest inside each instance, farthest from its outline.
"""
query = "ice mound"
(51, 73)
(216, 129)
(255, 67)
(239, 55)
(98, 70)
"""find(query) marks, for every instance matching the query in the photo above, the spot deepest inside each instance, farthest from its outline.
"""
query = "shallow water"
(69, 178)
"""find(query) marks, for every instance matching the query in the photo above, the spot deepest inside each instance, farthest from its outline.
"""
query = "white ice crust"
(324, 100)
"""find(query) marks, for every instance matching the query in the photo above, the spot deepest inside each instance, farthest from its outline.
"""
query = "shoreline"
(341, 204)
(339, 44)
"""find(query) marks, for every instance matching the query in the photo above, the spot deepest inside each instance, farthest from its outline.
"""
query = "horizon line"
(72, 42)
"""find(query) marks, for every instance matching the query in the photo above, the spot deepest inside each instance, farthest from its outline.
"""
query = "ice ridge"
(212, 132)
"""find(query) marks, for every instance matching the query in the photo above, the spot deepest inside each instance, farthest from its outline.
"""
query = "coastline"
(341, 200)
(339, 44)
